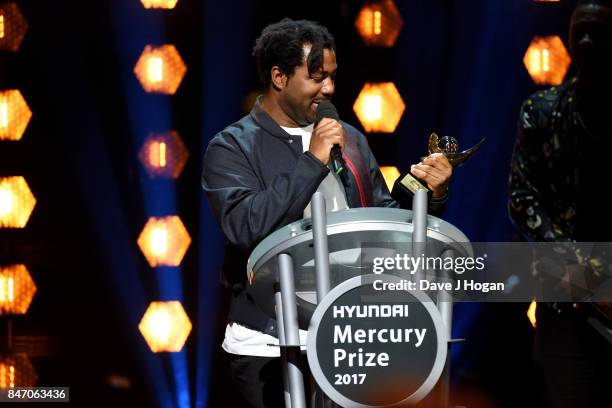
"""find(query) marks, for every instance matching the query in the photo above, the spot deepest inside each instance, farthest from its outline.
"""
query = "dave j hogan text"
(467, 285)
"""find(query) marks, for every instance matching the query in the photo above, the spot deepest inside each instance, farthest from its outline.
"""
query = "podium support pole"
(419, 228)
(292, 335)
(321, 253)
(321, 250)
(445, 306)
(280, 328)
(443, 298)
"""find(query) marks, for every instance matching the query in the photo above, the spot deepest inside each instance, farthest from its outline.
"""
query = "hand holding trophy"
(432, 173)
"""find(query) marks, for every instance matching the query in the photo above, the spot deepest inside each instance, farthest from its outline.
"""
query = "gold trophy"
(446, 145)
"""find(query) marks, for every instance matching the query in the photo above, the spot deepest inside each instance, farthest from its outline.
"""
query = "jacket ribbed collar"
(264, 120)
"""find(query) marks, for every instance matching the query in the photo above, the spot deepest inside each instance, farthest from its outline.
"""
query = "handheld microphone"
(327, 110)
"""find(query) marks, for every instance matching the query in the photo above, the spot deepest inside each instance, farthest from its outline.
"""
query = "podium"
(303, 271)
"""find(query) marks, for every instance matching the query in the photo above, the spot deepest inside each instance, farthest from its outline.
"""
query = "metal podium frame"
(286, 310)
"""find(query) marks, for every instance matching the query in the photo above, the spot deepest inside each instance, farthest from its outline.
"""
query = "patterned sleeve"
(528, 179)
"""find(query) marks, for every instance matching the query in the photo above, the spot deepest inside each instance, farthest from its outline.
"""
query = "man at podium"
(261, 171)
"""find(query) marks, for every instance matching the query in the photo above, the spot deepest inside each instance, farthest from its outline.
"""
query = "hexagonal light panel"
(379, 23)
(159, 4)
(531, 313)
(164, 241)
(13, 27)
(547, 60)
(390, 174)
(16, 371)
(379, 107)
(16, 202)
(165, 326)
(14, 115)
(17, 289)
(164, 155)
(160, 69)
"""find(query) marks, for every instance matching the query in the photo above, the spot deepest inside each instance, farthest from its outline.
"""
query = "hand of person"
(325, 135)
(436, 171)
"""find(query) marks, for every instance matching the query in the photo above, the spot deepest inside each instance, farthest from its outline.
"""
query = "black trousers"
(575, 359)
(258, 380)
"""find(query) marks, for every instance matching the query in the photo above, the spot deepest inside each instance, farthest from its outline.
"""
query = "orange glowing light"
(379, 23)
(379, 107)
(547, 60)
(165, 326)
(3, 115)
(14, 115)
(155, 69)
(16, 202)
(531, 312)
(164, 241)
(12, 27)
(164, 155)
(390, 174)
(17, 289)
(159, 4)
(160, 69)
(16, 371)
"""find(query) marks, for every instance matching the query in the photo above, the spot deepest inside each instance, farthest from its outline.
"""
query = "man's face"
(303, 91)
(591, 43)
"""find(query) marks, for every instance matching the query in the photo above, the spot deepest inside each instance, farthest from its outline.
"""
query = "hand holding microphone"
(328, 137)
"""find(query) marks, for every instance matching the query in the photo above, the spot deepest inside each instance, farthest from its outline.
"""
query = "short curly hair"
(281, 44)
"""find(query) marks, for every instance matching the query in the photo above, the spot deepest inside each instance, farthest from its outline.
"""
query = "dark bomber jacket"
(258, 179)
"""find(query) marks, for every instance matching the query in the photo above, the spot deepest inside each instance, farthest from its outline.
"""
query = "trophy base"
(405, 187)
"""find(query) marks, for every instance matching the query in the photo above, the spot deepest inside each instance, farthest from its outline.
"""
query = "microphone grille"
(326, 110)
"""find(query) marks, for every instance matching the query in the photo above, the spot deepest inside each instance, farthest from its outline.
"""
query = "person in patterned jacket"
(558, 177)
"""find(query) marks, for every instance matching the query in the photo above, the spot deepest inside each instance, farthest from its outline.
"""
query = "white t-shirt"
(247, 342)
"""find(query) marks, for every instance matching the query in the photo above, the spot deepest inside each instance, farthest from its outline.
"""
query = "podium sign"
(375, 347)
